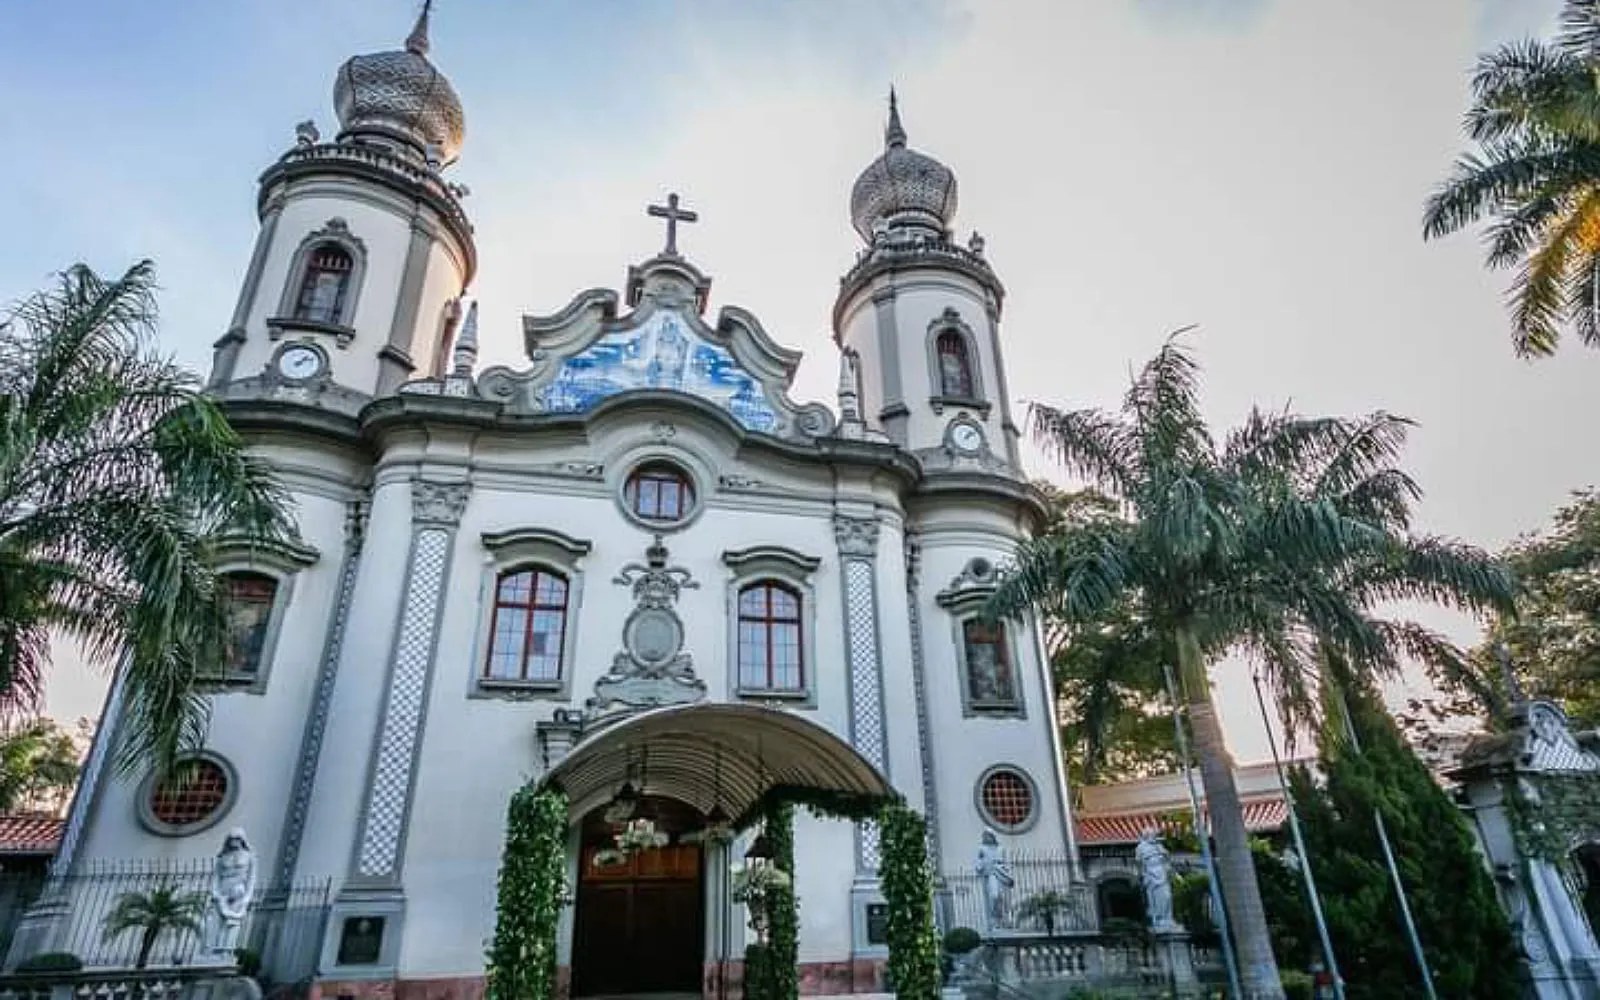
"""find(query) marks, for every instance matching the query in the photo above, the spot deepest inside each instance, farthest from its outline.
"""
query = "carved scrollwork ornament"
(438, 504)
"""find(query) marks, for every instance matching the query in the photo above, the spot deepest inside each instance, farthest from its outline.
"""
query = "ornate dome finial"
(895, 133)
(401, 96)
(417, 41)
(902, 190)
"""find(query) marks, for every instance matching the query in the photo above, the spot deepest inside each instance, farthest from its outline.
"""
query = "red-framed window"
(659, 493)
(191, 796)
(770, 643)
(528, 631)
(1007, 798)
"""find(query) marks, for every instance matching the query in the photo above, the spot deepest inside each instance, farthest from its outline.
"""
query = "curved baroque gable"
(586, 354)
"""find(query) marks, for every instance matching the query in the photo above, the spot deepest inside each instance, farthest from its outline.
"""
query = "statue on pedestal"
(1155, 873)
(997, 879)
(233, 885)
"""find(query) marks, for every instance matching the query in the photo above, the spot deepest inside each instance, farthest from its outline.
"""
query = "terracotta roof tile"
(29, 834)
(1124, 828)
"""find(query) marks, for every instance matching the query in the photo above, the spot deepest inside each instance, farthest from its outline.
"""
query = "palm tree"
(1535, 116)
(117, 478)
(1275, 542)
(153, 913)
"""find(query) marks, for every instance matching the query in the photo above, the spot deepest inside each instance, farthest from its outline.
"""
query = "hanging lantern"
(761, 850)
(623, 805)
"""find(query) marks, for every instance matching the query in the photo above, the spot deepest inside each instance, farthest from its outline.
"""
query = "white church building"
(497, 567)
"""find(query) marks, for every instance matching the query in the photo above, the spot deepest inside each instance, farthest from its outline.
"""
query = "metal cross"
(673, 214)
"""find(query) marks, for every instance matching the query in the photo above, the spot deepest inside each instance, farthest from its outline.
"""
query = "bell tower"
(364, 249)
(921, 315)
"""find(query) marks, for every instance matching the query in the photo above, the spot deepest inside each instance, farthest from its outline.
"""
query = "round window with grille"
(190, 800)
(1006, 798)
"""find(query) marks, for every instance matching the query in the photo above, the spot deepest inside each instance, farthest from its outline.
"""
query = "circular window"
(659, 495)
(1006, 798)
(193, 799)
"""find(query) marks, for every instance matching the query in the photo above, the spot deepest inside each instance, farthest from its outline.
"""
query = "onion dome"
(401, 96)
(902, 187)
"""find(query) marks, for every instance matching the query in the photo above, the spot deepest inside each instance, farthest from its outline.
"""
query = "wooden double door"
(639, 927)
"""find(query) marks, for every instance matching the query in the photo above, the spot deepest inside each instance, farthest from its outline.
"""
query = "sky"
(1256, 167)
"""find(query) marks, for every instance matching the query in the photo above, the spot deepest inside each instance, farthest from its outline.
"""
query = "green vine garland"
(907, 885)
(771, 972)
(522, 958)
(1567, 814)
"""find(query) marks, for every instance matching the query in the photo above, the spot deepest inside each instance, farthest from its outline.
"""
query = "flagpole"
(1300, 846)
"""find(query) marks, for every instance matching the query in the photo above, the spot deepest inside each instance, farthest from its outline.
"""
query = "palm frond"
(1077, 574)
(1506, 174)
(116, 477)
(1089, 443)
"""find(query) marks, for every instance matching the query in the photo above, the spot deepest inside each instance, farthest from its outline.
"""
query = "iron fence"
(1042, 898)
(283, 928)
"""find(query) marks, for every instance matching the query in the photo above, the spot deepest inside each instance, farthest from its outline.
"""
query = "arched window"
(250, 598)
(529, 626)
(659, 492)
(955, 366)
(325, 285)
(769, 638)
(991, 683)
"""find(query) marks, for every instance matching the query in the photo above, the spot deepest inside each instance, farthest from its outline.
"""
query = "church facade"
(493, 566)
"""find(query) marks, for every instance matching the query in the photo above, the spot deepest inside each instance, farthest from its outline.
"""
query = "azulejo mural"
(663, 352)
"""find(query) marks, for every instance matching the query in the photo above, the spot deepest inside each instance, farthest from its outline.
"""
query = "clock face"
(966, 437)
(299, 362)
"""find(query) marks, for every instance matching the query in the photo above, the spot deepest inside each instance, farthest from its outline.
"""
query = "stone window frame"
(230, 797)
(280, 560)
(527, 548)
(797, 571)
(700, 485)
(950, 321)
(1036, 805)
(964, 600)
(336, 231)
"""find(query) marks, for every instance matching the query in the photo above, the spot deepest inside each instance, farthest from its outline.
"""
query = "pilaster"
(392, 370)
(436, 510)
(225, 355)
(894, 414)
(930, 792)
(857, 538)
(305, 776)
(371, 904)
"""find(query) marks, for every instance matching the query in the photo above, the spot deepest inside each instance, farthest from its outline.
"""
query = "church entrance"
(639, 925)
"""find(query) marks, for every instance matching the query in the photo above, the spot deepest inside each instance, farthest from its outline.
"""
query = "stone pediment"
(587, 353)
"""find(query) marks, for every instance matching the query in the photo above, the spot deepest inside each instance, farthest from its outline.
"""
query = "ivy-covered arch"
(769, 762)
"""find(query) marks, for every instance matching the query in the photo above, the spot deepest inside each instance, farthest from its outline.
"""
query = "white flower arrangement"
(752, 883)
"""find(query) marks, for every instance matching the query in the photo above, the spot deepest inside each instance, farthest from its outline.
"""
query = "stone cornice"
(370, 163)
(989, 487)
(937, 256)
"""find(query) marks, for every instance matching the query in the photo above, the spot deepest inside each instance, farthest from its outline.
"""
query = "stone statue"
(233, 884)
(1155, 872)
(306, 134)
(997, 878)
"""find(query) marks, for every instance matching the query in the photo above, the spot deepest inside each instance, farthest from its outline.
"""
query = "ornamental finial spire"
(417, 41)
(895, 133)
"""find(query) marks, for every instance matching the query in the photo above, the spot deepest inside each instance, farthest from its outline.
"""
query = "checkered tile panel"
(391, 783)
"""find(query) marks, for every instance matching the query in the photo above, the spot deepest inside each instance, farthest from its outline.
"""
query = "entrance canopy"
(714, 754)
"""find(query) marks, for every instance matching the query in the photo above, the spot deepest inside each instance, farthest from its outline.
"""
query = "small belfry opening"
(656, 806)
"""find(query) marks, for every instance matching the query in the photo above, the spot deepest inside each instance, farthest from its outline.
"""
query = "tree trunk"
(1236, 871)
(147, 944)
